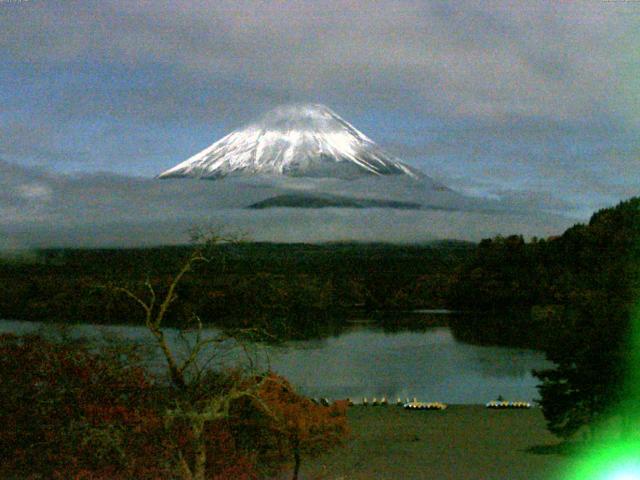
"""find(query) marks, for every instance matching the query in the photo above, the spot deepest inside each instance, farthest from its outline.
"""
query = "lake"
(367, 361)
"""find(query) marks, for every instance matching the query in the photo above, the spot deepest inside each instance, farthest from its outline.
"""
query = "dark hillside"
(592, 264)
(247, 282)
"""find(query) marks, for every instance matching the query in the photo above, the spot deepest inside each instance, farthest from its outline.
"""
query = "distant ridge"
(330, 201)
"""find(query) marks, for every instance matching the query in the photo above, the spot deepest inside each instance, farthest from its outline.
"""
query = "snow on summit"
(296, 141)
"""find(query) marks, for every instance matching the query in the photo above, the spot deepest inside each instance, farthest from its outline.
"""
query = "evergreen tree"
(591, 347)
(587, 383)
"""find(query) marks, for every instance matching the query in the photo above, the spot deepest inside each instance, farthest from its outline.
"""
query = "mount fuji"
(308, 140)
(307, 156)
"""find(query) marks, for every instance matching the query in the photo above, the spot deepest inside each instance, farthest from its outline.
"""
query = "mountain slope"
(294, 141)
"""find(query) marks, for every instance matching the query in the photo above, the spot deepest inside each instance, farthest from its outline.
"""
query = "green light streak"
(615, 455)
(617, 461)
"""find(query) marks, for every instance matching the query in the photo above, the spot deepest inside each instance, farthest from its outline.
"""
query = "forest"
(299, 287)
(535, 290)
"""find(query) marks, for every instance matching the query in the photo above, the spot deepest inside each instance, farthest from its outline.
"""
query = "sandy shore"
(462, 442)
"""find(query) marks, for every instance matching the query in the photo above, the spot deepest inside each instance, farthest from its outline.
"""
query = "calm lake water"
(365, 361)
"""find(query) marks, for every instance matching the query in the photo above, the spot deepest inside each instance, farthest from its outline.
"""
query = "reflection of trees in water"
(407, 322)
(500, 363)
(513, 329)
(322, 325)
(278, 329)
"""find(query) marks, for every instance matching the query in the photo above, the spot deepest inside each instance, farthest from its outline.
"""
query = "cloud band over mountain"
(41, 209)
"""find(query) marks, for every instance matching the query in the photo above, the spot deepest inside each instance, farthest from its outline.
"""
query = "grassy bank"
(462, 442)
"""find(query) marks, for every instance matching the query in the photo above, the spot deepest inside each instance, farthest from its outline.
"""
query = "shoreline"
(462, 442)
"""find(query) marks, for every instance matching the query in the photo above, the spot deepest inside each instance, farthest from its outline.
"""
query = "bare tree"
(196, 409)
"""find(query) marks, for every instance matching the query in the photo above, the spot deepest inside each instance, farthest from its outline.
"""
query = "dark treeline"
(535, 289)
(290, 287)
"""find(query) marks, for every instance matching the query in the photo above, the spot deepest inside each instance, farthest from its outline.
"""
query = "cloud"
(486, 59)
(40, 209)
(585, 165)
(37, 140)
(31, 191)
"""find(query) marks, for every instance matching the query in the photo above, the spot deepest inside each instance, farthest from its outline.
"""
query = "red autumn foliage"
(313, 427)
(70, 412)
(292, 426)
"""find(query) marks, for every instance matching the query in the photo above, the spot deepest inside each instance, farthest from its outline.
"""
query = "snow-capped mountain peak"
(308, 140)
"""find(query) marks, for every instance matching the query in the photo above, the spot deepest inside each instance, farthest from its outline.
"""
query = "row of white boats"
(414, 404)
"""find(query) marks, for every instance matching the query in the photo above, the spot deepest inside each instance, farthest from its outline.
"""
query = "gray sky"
(532, 102)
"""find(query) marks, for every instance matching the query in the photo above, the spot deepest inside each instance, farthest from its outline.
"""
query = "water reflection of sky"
(430, 365)
(365, 362)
